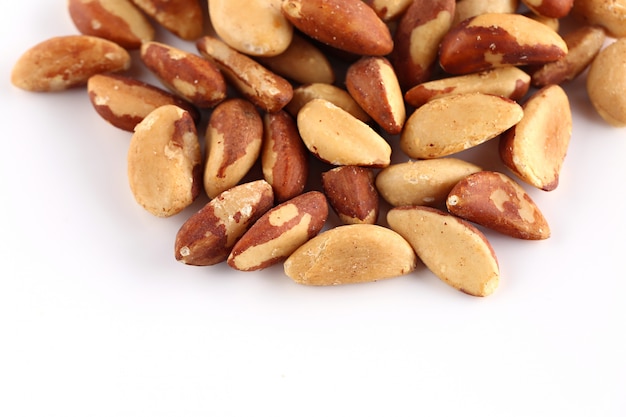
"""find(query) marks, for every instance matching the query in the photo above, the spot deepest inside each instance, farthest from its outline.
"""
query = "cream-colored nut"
(234, 136)
(550, 8)
(208, 236)
(279, 232)
(465, 9)
(551, 22)
(454, 250)
(388, 10)
(183, 18)
(64, 62)
(493, 200)
(454, 123)
(422, 183)
(351, 193)
(351, 254)
(335, 136)
(165, 161)
(535, 148)
(610, 14)
(338, 96)
(606, 83)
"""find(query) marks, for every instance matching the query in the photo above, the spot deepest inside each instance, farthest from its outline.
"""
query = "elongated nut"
(422, 183)
(208, 236)
(454, 123)
(351, 193)
(535, 148)
(165, 161)
(454, 250)
(338, 96)
(335, 136)
(279, 232)
(550, 8)
(64, 62)
(493, 200)
(234, 136)
(606, 83)
(351, 254)
(183, 18)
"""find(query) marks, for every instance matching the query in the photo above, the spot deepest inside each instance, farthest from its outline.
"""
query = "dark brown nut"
(493, 200)
(606, 83)
(338, 96)
(348, 25)
(119, 21)
(388, 10)
(165, 161)
(497, 39)
(510, 82)
(183, 18)
(373, 84)
(124, 101)
(351, 193)
(279, 232)
(469, 8)
(208, 236)
(284, 158)
(550, 8)
(535, 148)
(261, 86)
(64, 62)
(234, 136)
(192, 77)
(610, 14)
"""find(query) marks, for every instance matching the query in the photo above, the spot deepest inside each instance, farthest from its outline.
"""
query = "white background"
(97, 318)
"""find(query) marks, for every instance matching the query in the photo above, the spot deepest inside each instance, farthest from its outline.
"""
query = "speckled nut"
(165, 161)
(183, 18)
(351, 254)
(550, 8)
(454, 250)
(338, 96)
(465, 9)
(535, 148)
(64, 62)
(454, 123)
(388, 10)
(351, 193)
(606, 83)
(208, 236)
(610, 14)
(493, 200)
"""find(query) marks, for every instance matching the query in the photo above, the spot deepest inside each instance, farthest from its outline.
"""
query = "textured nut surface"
(164, 161)
(422, 183)
(610, 14)
(338, 96)
(454, 123)
(535, 148)
(208, 236)
(279, 232)
(495, 201)
(184, 18)
(335, 136)
(606, 83)
(351, 193)
(454, 250)
(63, 62)
(351, 254)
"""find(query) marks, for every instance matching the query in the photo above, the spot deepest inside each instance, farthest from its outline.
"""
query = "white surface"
(98, 319)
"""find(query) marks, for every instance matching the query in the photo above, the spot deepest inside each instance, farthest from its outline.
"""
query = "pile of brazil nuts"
(343, 84)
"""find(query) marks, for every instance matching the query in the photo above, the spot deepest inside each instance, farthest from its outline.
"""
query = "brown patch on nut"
(550, 8)
(183, 18)
(351, 193)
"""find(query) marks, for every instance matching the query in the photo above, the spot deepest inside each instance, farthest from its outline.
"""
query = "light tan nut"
(351, 254)
(550, 8)
(279, 232)
(302, 62)
(165, 161)
(417, 37)
(388, 10)
(373, 84)
(284, 158)
(551, 22)
(190, 76)
(335, 136)
(252, 27)
(64, 62)
(422, 183)
(351, 193)
(496, 39)
(338, 96)
(234, 136)
(208, 236)
(348, 25)
(493, 200)
(535, 148)
(454, 123)
(454, 250)
(583, 44)
(183, 18)
(606, 83)
(469, 8)
(119, 21)
(124, 101)
(510, 82)
(610, 14)
(261, 86)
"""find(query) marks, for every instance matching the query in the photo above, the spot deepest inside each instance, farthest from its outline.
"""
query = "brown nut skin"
(550, 8)
(124, 101)
(606, 83)
(493, 200)
(351, 193)
(63, 62)
(279, 232)
(610, 14)
(348, 25)
(388, 10)
(119, 21)
(208, 236)
(183, 18)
